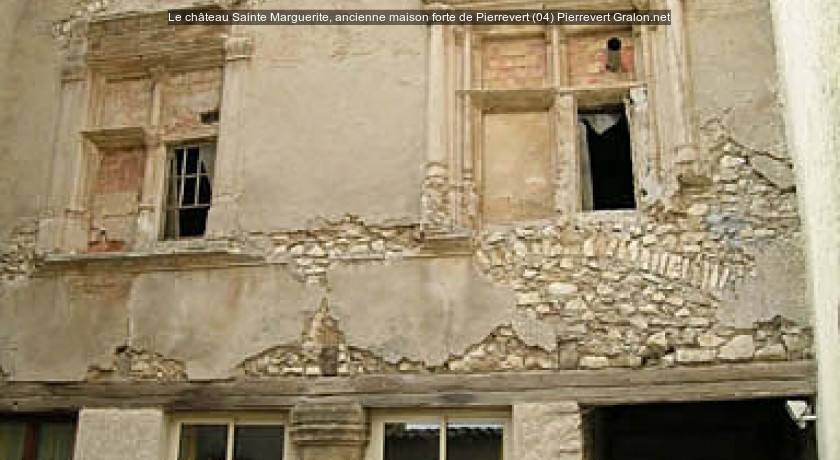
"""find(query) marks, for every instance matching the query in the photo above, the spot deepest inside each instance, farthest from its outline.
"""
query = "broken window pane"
(204, 193)
(190, 190)
(412, 441)
(258, 443)
(192, 160)
(192, 222)
(203, 442)
(468, 441)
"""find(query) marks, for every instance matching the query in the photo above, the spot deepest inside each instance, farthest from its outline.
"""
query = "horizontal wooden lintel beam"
(606, 387)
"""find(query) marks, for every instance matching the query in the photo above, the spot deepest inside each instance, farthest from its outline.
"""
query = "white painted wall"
(808, 36)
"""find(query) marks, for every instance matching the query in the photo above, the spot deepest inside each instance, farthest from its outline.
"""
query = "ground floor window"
(230, 438)
(449, 436)
(37, 438)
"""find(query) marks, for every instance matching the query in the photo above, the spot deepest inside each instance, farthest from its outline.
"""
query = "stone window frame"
(661, 136)
(378, 419)
(63, 224)
(231, 419)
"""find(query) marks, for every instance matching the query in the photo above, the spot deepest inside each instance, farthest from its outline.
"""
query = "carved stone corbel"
(329, 431)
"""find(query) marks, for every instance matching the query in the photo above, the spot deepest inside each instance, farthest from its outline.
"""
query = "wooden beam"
(724, 382)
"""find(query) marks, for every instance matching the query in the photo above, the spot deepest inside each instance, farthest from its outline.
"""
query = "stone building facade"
(368, 242)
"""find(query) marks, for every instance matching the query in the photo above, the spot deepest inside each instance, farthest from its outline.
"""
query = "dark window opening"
(208, 118)
(606, 160)
(613, 63)
(203, 442)
(742, 430)
(190, 190)
(250, 442)
(37, 438)
(468, 441)
(407, 441)
(258, 442)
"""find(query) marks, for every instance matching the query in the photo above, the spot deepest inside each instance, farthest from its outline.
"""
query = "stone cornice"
(183, 259)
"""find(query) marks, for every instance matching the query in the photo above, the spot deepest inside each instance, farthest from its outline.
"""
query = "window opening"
(189, 191)
(467, 441)
(208, 118)
(462, 441)
(606, 160)
(250, 442)
(37, 438)
(614, 54)
(412, 441)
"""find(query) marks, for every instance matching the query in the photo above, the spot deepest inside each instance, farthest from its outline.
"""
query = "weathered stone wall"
(547, 431)
(342, 278)
(733, 71)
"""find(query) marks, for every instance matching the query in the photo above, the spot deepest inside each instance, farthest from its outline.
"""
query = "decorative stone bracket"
(328, 431)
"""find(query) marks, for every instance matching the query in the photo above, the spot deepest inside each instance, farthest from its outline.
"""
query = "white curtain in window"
(585, 168)
(601, 122)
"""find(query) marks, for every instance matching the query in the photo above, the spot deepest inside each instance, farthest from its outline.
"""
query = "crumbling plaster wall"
(673, 285)
(737, 108)
(10, 12)
(337, 105)
(733, 70)
(29, 81)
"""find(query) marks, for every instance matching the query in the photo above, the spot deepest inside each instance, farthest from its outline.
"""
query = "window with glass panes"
(189, 189)
(230, 439)
(37, 437)
(441, 437)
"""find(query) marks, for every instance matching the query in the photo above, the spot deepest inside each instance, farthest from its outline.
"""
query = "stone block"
(775, 171)
(558, 289)
(741, 347)
(328, 431)
(547, 431)
(695, 355)
(120, 434)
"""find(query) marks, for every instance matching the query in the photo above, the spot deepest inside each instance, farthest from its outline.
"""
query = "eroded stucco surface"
(340, 219)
